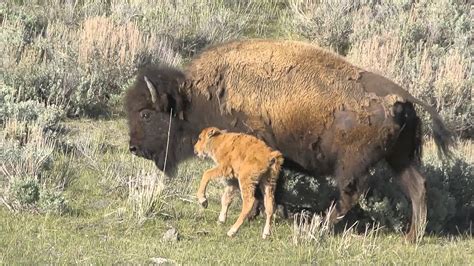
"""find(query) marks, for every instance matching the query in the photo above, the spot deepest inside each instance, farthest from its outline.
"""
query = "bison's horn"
(152, 89)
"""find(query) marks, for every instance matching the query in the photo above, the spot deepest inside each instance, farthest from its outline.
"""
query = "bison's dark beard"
(168, 166)
(159, 159)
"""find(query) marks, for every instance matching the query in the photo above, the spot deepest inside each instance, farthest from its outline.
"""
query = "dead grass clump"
(146, 195)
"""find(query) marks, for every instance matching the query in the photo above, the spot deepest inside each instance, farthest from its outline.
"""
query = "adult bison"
(324, 114)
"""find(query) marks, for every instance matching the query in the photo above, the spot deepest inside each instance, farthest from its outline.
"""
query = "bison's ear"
(213, 132)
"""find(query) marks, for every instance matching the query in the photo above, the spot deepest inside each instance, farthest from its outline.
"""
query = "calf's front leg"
(210, 174)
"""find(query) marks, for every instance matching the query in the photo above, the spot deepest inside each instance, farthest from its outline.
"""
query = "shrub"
(26, 194)
(25, 191)
(77, 68)
(327, 23)
(47, 118)
(26, 158)
(52, 201)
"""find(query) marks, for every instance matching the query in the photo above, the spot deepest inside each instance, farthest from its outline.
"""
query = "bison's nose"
(133, 149)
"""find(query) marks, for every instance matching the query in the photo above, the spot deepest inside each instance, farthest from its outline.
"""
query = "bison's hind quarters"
(405, 159)
(243, 158)
(442, 135)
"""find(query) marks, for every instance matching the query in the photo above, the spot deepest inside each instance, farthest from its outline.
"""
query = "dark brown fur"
(324, 114)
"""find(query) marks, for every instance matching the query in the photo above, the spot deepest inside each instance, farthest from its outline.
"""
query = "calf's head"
(155, 110)
(201, 148)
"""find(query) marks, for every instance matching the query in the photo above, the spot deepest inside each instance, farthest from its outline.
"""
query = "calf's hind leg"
(269, 201)
(248, 200)
(226, 199)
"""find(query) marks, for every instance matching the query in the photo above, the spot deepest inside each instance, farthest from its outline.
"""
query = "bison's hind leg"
(403, 159)
(413, 184)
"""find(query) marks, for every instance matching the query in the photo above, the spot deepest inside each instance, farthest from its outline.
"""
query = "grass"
(102, 237)
(103, 225)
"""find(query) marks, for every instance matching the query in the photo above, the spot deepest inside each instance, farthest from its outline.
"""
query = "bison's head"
(201, 148)
(155, 109)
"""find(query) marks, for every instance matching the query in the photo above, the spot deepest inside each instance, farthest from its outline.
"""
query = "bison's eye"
(145, 115)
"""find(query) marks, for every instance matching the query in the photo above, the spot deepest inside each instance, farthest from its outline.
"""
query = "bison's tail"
(276, 162)
(443, 137)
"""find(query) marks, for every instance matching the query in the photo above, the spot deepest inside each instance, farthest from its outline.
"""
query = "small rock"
(161, 261)
(171, 235)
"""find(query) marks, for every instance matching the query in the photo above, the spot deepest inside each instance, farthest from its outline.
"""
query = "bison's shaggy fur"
(247, 159)
(324, 114)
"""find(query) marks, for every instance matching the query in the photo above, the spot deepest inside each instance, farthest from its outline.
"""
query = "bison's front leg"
(351, 183)
(206, 177)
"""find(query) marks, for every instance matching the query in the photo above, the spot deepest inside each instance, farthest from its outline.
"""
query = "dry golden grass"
(101, 39)
(36, 149)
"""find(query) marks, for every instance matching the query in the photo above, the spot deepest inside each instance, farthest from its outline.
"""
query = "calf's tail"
(276, 162)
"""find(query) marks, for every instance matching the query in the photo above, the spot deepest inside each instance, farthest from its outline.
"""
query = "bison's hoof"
(411, 238)
(203, 202)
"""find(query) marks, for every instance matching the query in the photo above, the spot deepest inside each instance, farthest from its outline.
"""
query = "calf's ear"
(213, 132)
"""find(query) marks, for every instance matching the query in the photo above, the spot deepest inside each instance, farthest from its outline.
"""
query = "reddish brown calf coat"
(247, 159)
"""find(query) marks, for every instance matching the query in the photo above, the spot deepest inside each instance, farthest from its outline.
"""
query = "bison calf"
(245, 158)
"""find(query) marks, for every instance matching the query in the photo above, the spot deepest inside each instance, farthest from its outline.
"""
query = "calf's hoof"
(221, 219)
(231, 232)
(266, 234)
(203, 202)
